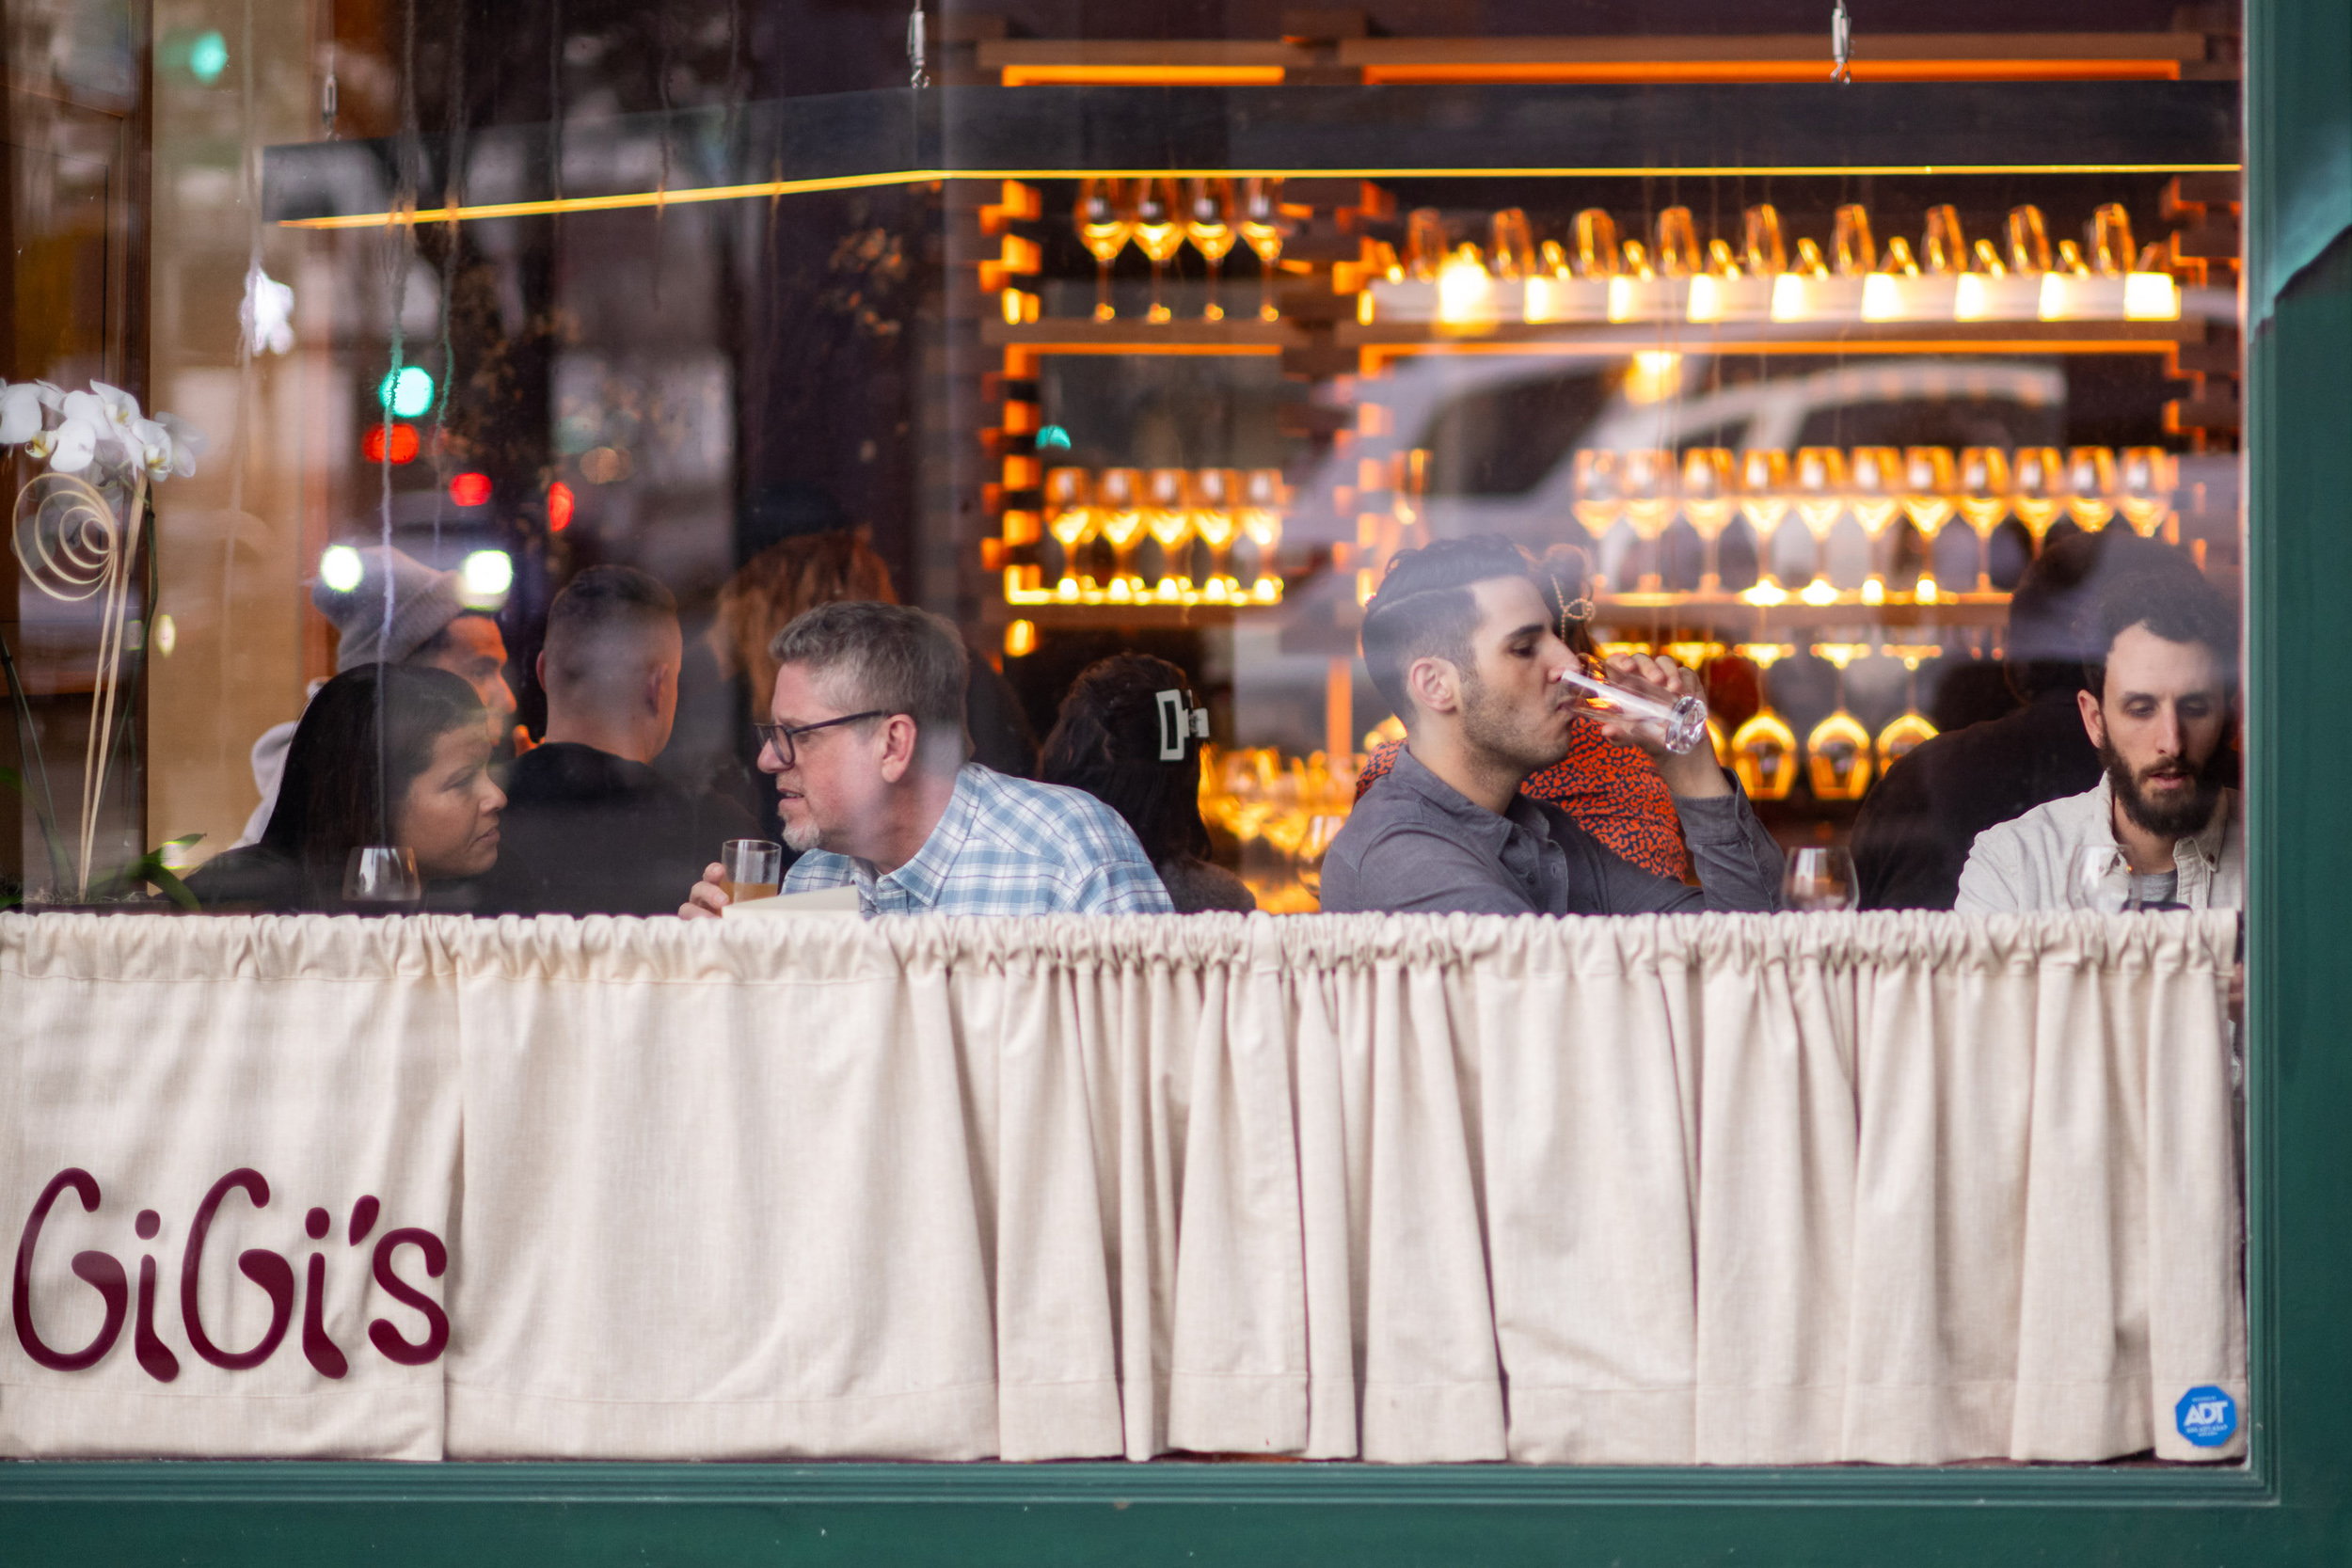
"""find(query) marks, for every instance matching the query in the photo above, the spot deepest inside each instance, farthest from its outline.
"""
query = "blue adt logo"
(2207, 1415)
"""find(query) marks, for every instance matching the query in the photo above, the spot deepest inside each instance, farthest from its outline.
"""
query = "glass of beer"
(753, 867)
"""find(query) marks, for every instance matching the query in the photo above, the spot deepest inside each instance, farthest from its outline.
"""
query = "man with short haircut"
(590, 827)
(867, 748)
(1461, 644)
(2161, 829)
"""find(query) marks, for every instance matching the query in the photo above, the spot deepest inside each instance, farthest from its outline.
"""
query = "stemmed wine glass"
(1764, 502)
(382, 877)
(1262, 228)
(2090, 487)
(1820, 496)
(1820, 876)
(2037, 490)
(1710, 495)
(1216, 519)
(1929, 481)
(1104, 225)
(1877, 477)
(1984, 501)
(1070, 518)
(2144, 495)
(1167, 513)
(1209, 225)
(1119, 519)
(1647, 480)
(1159, 234)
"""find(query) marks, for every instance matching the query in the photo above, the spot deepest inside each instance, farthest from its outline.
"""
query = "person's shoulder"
(254, 878)
(1053, 821)
(1197, 886)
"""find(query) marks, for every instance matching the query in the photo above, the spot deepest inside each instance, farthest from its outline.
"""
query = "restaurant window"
(1098, 334)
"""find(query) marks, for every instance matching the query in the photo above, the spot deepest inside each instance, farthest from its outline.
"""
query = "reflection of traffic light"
(469, 489)
(407, 392)
(390, 443)
(559, 507)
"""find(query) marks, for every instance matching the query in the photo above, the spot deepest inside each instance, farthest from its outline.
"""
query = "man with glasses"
(867, 744)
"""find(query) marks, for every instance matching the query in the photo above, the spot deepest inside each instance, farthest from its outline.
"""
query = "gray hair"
(895, 657)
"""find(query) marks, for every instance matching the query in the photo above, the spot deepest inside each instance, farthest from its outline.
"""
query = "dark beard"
(2178, 820)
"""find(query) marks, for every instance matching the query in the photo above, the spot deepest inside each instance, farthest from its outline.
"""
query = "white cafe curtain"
(1714, 1189)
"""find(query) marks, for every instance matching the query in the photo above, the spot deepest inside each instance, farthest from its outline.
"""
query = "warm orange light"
(1144, 75)
(1433, 72)
(1020, 639)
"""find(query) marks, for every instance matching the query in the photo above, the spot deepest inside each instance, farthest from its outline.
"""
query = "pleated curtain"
(1895, 1188)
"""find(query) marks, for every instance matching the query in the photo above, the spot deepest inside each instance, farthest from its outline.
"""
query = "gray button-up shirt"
(1416, 845)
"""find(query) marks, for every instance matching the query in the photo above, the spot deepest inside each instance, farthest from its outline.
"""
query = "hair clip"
(1179, 721)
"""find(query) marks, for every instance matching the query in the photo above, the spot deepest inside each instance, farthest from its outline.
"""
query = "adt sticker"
(2207, 1415)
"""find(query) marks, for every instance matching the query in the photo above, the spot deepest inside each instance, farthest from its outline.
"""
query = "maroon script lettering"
(382, 1334)
(266, 1269)
(98, 1268)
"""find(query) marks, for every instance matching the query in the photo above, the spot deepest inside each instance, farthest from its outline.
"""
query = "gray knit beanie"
(423, 601)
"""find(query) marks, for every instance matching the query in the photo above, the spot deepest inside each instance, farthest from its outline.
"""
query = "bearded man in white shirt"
(2162, 829)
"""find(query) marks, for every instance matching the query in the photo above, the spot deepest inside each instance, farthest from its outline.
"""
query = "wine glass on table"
(1209, 225)
(1105, 226)
(382, 879)
(1262, 229)
(1820, 876)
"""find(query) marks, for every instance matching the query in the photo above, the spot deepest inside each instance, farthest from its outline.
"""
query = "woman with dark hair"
(386, 753)
(1111, 741)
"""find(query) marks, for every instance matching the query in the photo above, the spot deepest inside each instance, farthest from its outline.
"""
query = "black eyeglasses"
(780, 735)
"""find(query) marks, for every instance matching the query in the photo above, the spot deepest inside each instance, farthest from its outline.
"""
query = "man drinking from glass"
(1463, 647)
(867, 745)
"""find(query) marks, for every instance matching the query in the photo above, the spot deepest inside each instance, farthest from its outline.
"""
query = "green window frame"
(2290, 1503)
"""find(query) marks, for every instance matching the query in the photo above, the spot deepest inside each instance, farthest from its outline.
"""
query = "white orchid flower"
(185, 444)
(20, 413)
(52, 395)
(91, 431)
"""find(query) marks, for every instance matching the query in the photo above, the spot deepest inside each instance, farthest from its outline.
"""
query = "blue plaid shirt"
(1004, 846)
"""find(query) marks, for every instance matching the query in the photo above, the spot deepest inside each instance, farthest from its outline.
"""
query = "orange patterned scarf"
(1609, 789)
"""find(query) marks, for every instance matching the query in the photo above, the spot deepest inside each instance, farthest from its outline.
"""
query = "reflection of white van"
(1502, 433)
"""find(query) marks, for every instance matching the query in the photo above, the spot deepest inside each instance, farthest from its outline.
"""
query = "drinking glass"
(1764, 502)
(2111, 251)
(1321, 829)
(2091, 489)
(1209, 225)
(1069, 517)
(383, 874)
(750, 868)
(1851, 242)
(1167, 513)
(1105, 226)
(1679, 723)
(1599, 492)
(2029, 240)
(1929, 479)
(2037, 490)
(1118, 519)
(1679, 252)
(1159, 234)
(1876, 474)
(1261, 229)
(1262, 521)
(1216, 517)
(1820, 876)
(1765, 252)
(1819, 475)
(1944, 246)
(1711, 493)
(2098, 879)
(1426, 245)
(1513, 244)
(1646, 481)
(1595, 244)
(2147, 480)
(1984, 501)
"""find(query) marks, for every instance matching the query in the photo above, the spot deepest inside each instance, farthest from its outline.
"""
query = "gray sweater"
(1416, 845)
